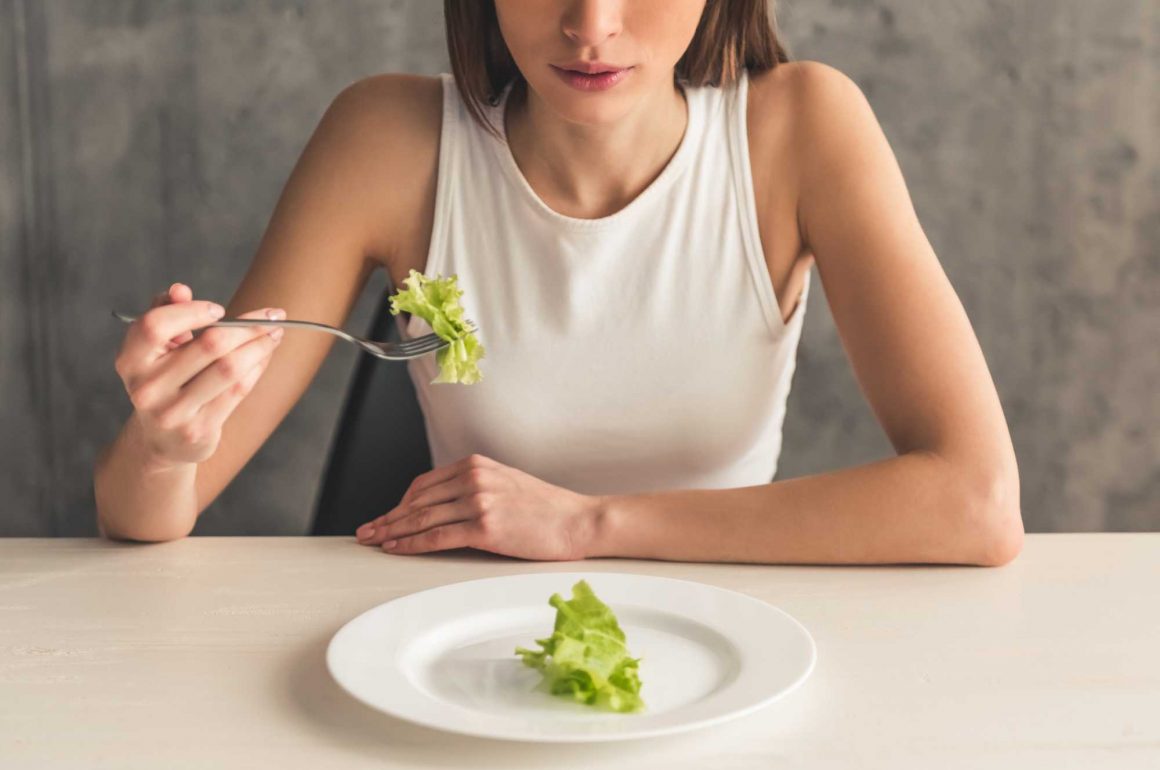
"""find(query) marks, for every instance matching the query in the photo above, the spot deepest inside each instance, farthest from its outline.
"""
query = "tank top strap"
(451, 149)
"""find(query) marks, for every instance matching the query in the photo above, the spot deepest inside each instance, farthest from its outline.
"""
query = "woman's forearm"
(915, 508)
(139, 500)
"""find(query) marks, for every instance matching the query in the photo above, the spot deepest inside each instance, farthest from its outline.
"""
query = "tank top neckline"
(694, 124)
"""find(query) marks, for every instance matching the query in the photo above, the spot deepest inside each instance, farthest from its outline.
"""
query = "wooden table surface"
(209, 653)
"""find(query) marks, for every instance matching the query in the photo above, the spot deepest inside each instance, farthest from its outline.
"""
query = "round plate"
(445, 657)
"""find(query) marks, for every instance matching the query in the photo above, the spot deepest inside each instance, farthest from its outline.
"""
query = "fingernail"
(276, 334)
(363, 530)
(389, 545)
(216, 311)
(276, 315)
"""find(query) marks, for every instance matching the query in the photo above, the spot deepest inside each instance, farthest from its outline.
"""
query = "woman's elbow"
(994, 521)
(154, 532)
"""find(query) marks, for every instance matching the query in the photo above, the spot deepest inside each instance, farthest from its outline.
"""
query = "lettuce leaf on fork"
(436, 301)
(585, 658)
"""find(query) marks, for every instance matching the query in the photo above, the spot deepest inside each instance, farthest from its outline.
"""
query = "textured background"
(146, 141)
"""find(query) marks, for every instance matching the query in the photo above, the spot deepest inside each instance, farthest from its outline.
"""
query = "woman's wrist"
(596, 536)
(144, 454)
(140, 495)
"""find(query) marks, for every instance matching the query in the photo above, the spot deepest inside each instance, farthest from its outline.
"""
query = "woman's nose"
(591, 22)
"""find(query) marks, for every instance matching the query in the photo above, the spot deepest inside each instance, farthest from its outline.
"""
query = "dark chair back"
(380, 445)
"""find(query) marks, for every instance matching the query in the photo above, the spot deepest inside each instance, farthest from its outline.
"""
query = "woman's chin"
(587, 109)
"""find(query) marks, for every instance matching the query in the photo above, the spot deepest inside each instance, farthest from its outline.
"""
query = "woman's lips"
(597, 81)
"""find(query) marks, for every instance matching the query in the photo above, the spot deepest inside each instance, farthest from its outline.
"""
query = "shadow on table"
(354, 728)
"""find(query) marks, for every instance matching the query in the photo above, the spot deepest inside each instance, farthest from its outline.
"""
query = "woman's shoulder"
(807, 108)
(379, 138)
(383, 124)
(803, 91)
(406, 109)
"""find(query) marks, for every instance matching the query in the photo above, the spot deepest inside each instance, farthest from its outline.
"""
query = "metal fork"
(390, 351)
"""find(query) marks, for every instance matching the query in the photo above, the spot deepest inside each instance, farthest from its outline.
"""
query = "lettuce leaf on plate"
(586, 658)
(436, 301)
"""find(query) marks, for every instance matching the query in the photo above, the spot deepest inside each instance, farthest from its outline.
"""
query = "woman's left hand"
(480, 503)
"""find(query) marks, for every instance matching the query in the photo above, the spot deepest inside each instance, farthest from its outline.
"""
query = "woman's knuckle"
(229, 367)
(150, 328)
(214, 344)
(190, 433)
(166, 421)
(121, 366)
(143, 397)
(130, 372)
(475, 477)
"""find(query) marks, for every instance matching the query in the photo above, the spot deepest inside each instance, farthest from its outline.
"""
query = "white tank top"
(636, 352)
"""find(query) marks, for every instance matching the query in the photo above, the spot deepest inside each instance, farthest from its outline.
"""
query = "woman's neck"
(593, 171)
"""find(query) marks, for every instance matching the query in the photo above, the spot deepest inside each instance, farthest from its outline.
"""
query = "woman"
(632, 195)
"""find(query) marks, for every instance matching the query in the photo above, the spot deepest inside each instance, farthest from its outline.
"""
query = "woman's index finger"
(438, 475)
(161, 324)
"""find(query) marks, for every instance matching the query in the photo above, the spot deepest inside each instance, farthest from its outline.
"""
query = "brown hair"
(732, 35)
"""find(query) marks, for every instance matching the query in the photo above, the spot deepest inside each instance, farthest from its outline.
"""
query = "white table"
(208, 653)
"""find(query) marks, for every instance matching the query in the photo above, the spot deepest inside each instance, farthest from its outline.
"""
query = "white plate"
(445, 657)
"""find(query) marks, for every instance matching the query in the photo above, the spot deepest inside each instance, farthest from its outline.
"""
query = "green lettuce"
(436, 301)
(585, 658)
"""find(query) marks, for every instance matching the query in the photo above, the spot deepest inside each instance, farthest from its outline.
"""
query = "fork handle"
(264, 322)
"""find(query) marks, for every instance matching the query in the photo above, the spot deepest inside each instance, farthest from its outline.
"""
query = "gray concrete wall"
(146, 142)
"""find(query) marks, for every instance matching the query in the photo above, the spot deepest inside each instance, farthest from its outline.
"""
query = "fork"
(390, 351)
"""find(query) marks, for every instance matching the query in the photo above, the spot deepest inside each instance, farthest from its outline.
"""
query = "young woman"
(632, 194)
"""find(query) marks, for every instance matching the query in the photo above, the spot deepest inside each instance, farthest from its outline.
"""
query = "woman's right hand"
(183, 389)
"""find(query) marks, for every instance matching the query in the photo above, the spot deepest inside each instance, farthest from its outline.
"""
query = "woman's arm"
(333, 224)
(952, 493)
